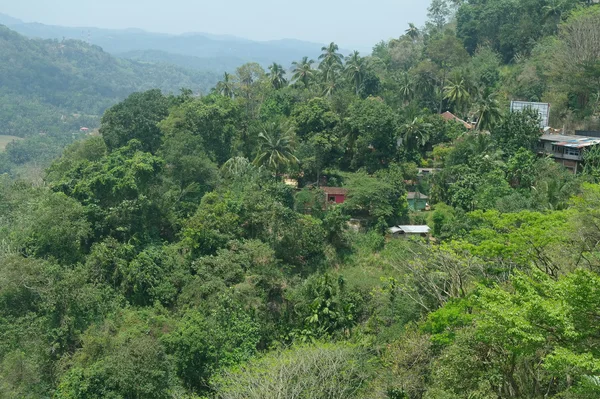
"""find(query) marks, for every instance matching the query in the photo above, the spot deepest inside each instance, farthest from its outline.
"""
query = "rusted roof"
(334, 190)
(571, 141)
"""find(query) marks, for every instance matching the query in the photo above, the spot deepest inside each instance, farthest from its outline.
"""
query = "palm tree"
(277, 76)
(553, 9)
(488, 110)
(276, 147)
(412, 31)
(355, 69)
(330, 54)
(236, 167)
(302, 71)
(226, 87)
(416, 133)
(329, 87)
(406, 88)
(331, 61)
(456, 92)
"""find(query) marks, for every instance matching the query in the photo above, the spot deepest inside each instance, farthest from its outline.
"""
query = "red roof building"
(336, 195)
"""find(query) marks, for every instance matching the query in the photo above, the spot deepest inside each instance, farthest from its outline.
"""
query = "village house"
(417, 201)
(566, 150)
(335, 195)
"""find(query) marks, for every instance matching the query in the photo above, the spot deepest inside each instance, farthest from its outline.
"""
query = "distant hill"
(212, 52)
(214, 64)
(51, 84)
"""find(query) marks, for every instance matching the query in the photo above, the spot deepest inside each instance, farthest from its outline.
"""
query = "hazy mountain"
(51, 84)
(218, 52)
(220, 64)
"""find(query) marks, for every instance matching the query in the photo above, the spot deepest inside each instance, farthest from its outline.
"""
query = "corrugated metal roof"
(410, 229)
(571, 141)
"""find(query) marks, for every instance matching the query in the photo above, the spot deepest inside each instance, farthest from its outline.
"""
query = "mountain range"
(193, 50)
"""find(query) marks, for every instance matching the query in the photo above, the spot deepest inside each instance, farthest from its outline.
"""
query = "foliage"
(189, 249)
(322, 371)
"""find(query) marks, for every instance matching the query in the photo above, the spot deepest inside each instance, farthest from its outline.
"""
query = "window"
(572, 151)
(558, 149)
(331, 199)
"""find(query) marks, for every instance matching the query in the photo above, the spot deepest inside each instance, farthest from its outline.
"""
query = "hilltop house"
(566, 150)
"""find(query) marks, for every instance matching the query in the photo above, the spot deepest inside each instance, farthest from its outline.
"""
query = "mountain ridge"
(120, 42)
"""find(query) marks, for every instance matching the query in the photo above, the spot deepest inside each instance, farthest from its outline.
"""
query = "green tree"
(276, 76)
(371, 133)
(202, 345)
(120, 361)
(412, 31)
(302, 71)
(487, 109)
(226, 87)
(415, 134)
(518, 130)
(356, 69)
(135, 118)
(330, 62)
(456, 92)
(212, 120)
(276, 147)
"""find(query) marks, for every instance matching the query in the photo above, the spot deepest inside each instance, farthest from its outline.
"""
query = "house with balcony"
(566, 150)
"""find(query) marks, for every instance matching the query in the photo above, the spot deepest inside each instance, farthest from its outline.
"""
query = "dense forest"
(173, 256)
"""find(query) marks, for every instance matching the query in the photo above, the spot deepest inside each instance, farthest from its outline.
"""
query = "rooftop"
(410, 229)
(571, 141)
(334, 190)
(449, 116)
(416, 195)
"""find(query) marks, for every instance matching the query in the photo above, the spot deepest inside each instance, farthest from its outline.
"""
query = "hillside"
(220, 64)
(213, 52)
(53, 85)
(413, 255)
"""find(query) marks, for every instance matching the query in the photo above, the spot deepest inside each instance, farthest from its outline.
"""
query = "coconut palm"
(415, 133)
(226, 87)
(356, 67)
(276, 147)
(553, 10)
(277, 76)
(329, 87)
(236, 167)
(457, 93)
(412, 31)
(330, 54)
(302, 71)
(488, 110)
(406, 87)
(331, 61)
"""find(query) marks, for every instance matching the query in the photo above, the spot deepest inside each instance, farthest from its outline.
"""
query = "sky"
(350, 23)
